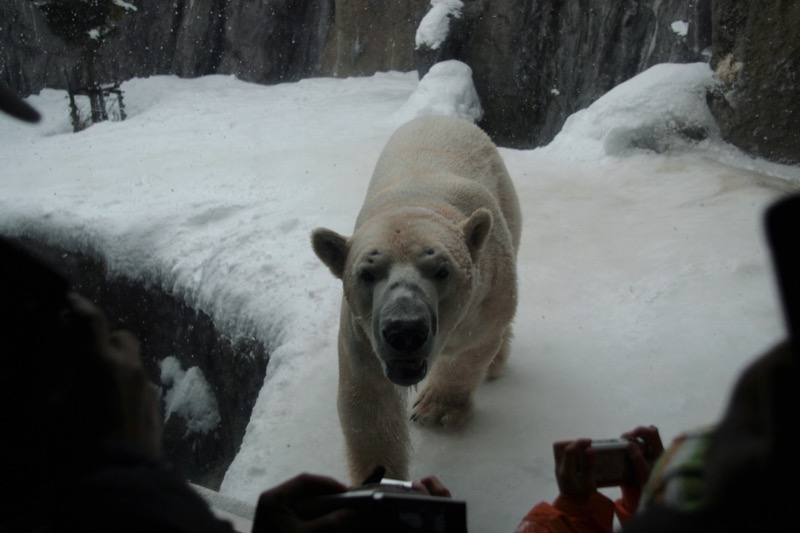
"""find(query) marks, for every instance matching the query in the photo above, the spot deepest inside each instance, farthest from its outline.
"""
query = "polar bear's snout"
(407, 326)
(406, 335)
(405, 331)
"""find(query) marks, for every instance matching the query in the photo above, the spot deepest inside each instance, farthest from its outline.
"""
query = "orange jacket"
(594, 514)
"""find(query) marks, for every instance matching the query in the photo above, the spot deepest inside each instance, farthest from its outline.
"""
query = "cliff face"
(264, 41)
(535, 62)
(757, 57)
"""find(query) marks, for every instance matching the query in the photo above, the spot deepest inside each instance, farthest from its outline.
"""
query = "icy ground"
(645, 280)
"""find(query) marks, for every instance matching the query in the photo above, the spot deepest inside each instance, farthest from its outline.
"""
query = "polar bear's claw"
(432, 409)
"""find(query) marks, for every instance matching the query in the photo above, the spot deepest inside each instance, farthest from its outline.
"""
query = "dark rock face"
(368, 36)
(30, 57)
(281, 45)
(264, 41)
(757, 57)
(165, 326)
(534, 62)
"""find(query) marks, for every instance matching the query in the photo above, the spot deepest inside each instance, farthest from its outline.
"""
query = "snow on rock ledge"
(189, 396)
(660, 109)
(446, 89)
(435, 25)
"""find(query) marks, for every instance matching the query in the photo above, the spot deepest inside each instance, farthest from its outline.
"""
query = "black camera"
(393, 506)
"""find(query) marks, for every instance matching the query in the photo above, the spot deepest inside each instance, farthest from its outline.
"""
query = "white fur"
(438, 234)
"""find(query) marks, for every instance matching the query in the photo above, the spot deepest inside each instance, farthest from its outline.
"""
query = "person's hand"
(642, 462)
(288, 507)
(431, 486)
(574, 468)
(131, 402)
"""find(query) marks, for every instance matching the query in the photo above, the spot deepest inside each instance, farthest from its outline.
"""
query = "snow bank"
(660, 109)
(446, 89)
(680, 27)
(189, 396)
(435, 25)
(645, 283)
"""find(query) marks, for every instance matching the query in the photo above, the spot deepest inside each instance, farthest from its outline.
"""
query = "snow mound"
(435, 25)
(680, 27)
(446, 89)
(189, 396)
(661, 109)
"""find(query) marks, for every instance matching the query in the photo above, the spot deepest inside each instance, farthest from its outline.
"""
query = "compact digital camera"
(612, 466)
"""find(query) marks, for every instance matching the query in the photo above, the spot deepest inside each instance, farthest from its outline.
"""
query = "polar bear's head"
(408, 279)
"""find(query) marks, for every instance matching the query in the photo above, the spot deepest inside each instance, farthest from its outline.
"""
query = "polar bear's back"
(438, 148)
(432, 145)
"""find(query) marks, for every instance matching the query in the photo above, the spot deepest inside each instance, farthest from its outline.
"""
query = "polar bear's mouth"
(406, 372)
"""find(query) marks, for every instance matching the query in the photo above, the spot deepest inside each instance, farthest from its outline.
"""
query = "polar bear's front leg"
(446, 399)
(372, 415)
(372, 411)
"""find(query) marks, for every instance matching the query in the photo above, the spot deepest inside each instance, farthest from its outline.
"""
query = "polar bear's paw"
(433, 408)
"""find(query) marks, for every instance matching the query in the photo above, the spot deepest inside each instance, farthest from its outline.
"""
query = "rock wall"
(535, 62)
(757, 57)
(264, 41)
(369, 36)
(30, 57)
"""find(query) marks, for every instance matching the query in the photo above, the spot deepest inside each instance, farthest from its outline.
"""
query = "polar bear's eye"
(366, 276)
(442, 272)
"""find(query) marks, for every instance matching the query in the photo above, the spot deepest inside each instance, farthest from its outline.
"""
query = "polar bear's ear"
(331, 248)
(476, 230)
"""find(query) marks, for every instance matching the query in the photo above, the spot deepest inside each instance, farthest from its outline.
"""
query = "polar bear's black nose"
(408, 335)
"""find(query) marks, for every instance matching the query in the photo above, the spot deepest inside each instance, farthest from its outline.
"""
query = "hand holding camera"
(642, 458)
(583, 465)
(392, 506)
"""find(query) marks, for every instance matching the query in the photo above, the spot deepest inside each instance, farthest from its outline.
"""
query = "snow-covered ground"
(645, 279)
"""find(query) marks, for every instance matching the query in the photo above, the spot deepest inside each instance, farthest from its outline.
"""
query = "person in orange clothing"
(580, 507)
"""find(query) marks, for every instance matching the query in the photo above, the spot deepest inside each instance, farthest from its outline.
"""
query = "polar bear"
(430, 288)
